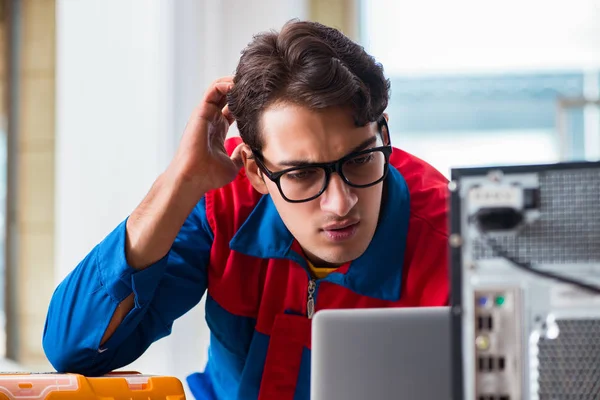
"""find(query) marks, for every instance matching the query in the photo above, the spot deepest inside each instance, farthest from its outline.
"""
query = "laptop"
(377, 354)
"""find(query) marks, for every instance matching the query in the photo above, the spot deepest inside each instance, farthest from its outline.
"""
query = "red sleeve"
(231, 143)
(427, 253)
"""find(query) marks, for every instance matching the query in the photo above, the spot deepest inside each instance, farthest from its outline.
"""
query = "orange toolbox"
(114, 386)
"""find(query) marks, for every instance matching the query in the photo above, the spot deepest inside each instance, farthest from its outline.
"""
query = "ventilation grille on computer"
(569, 366)
(568, 230)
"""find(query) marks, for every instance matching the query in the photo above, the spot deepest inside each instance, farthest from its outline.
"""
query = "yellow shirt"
(319, 273)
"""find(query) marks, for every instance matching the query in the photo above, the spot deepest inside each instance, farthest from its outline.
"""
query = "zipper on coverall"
(310, 302)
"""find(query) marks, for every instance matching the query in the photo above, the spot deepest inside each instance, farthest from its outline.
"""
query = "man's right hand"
(201, 158)
(200, 164)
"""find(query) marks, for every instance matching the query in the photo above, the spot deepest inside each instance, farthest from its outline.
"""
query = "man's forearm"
(152, 229)
(155, 223)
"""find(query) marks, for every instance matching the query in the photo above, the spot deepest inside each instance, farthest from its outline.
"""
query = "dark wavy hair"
(308, 64)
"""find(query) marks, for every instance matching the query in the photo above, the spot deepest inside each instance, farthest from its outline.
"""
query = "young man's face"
(337, 226)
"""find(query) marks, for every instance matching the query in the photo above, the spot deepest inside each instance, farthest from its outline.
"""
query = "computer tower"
(525, 282)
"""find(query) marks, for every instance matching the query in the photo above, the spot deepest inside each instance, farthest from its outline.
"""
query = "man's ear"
(385, 136)
(253, 173)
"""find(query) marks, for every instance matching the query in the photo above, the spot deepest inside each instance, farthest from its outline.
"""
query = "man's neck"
(317, 262)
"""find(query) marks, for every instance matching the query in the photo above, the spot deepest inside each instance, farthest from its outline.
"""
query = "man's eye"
(362, 160)
(300, 175)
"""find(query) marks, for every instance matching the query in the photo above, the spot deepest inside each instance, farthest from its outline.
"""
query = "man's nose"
(338, 198)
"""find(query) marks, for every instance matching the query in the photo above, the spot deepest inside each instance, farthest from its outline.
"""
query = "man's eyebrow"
(302, 162)
(365, 144)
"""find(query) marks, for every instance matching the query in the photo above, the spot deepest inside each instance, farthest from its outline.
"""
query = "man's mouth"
(341, 231)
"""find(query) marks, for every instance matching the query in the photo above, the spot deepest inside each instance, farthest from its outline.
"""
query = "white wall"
(129, 72)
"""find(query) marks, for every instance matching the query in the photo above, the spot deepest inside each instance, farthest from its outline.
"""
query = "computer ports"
(500, 363)
(485, 323)
(491, 364)
(495, 343)
(482, 342)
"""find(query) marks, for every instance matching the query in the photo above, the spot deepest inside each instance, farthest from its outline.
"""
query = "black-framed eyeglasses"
(360, 169)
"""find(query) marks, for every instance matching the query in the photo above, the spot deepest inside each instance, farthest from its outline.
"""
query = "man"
(311, 209)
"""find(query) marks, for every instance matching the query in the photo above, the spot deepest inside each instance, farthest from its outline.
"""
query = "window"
(467, 91)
